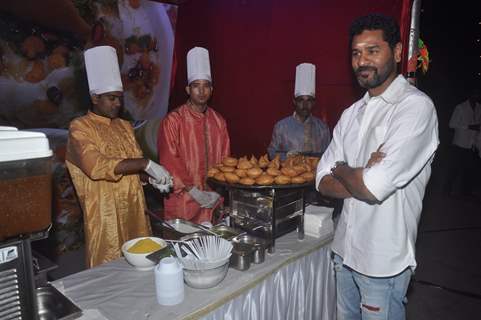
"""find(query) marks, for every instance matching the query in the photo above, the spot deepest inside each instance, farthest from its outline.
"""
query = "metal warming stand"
(267, 212)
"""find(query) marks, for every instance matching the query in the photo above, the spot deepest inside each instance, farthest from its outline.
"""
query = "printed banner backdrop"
(42, 77)
(43, 84)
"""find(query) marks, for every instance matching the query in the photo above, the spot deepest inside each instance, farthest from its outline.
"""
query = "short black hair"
(376, 21)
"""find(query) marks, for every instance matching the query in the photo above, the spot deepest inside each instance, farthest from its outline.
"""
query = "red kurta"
(190, 142)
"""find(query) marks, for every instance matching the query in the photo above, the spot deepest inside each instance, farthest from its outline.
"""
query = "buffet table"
(295, 282)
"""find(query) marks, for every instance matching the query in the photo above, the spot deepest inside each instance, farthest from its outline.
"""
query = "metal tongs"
(162, 221)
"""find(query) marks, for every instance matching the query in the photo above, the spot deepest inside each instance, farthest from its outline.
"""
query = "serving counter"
(296, 282)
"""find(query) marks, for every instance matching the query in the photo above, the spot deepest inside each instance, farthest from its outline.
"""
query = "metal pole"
(413, 41)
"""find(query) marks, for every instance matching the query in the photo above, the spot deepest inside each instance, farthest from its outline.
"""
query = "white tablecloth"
(296, 282)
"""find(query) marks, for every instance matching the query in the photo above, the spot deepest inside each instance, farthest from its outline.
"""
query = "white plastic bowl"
(139, 260)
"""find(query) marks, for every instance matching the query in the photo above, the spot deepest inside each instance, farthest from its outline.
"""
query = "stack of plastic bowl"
(206, 261)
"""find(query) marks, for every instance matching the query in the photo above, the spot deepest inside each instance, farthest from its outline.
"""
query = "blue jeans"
(370, 298)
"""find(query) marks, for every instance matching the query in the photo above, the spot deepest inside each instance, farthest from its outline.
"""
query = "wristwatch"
(337, 164)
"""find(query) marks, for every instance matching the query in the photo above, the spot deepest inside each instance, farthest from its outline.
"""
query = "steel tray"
(257, 187)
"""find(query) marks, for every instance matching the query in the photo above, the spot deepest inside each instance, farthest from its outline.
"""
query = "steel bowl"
(207, 278)
(242, 256)
(259, 246)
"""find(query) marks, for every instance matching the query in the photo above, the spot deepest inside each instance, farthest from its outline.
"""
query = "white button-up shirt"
(379, 240)
(462, 117)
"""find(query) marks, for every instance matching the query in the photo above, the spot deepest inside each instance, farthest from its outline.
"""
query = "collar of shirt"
(196, 114)
(393, 93)
(98, 118)
(299, 120)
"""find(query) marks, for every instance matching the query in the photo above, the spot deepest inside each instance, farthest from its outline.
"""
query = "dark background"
(450, 29)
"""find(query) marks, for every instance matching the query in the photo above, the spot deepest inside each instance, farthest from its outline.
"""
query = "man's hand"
(158, 173)
(164, 188)
(213, 198)
(376, 157)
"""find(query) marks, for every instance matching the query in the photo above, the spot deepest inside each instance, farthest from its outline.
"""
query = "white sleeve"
(411, 140)
(333, 153)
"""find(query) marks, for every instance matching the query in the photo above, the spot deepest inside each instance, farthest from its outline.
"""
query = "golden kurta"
(113, 205)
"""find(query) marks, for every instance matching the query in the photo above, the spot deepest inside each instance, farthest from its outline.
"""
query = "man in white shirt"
(464, 160)
(379, 162)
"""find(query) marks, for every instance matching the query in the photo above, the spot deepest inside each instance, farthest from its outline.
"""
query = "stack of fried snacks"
(296, 169)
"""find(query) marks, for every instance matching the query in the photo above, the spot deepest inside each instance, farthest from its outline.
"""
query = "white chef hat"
(198, 64)
(305, 80)
(103, 72)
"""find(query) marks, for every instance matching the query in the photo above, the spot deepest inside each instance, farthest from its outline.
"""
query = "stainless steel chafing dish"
(267, 212)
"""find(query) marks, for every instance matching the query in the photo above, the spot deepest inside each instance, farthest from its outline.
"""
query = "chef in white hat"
(301, 132)
(107, 165)
(192, 138)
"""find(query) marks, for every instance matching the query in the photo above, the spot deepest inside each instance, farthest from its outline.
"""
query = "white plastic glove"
(213, 198)
(206, 199)
(164, 188)
(158, 173)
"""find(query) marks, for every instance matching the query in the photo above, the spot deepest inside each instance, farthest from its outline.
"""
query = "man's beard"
(377, 78)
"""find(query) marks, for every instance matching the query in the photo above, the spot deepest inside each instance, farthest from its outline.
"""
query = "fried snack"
(247, 181)
(289, 162)
(229, 162)
(289, 171)
(227, 169)
(313, 161)
(254, 172)
(244, 164)
(241, 173)
(231, 177)
(263, 161)
(299, 169)
(265, 180)
(308, 167)
(308, 176)
(253, 160)
(276, 162)
(220, 177)
(273, 172)
(298, 180)
(219, 165)
(212, 172)
(282, 179)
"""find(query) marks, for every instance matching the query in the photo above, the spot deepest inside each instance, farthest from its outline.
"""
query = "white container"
(169, 282)
(25, 182)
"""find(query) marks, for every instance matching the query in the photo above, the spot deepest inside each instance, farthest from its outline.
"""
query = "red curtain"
(254, 48)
